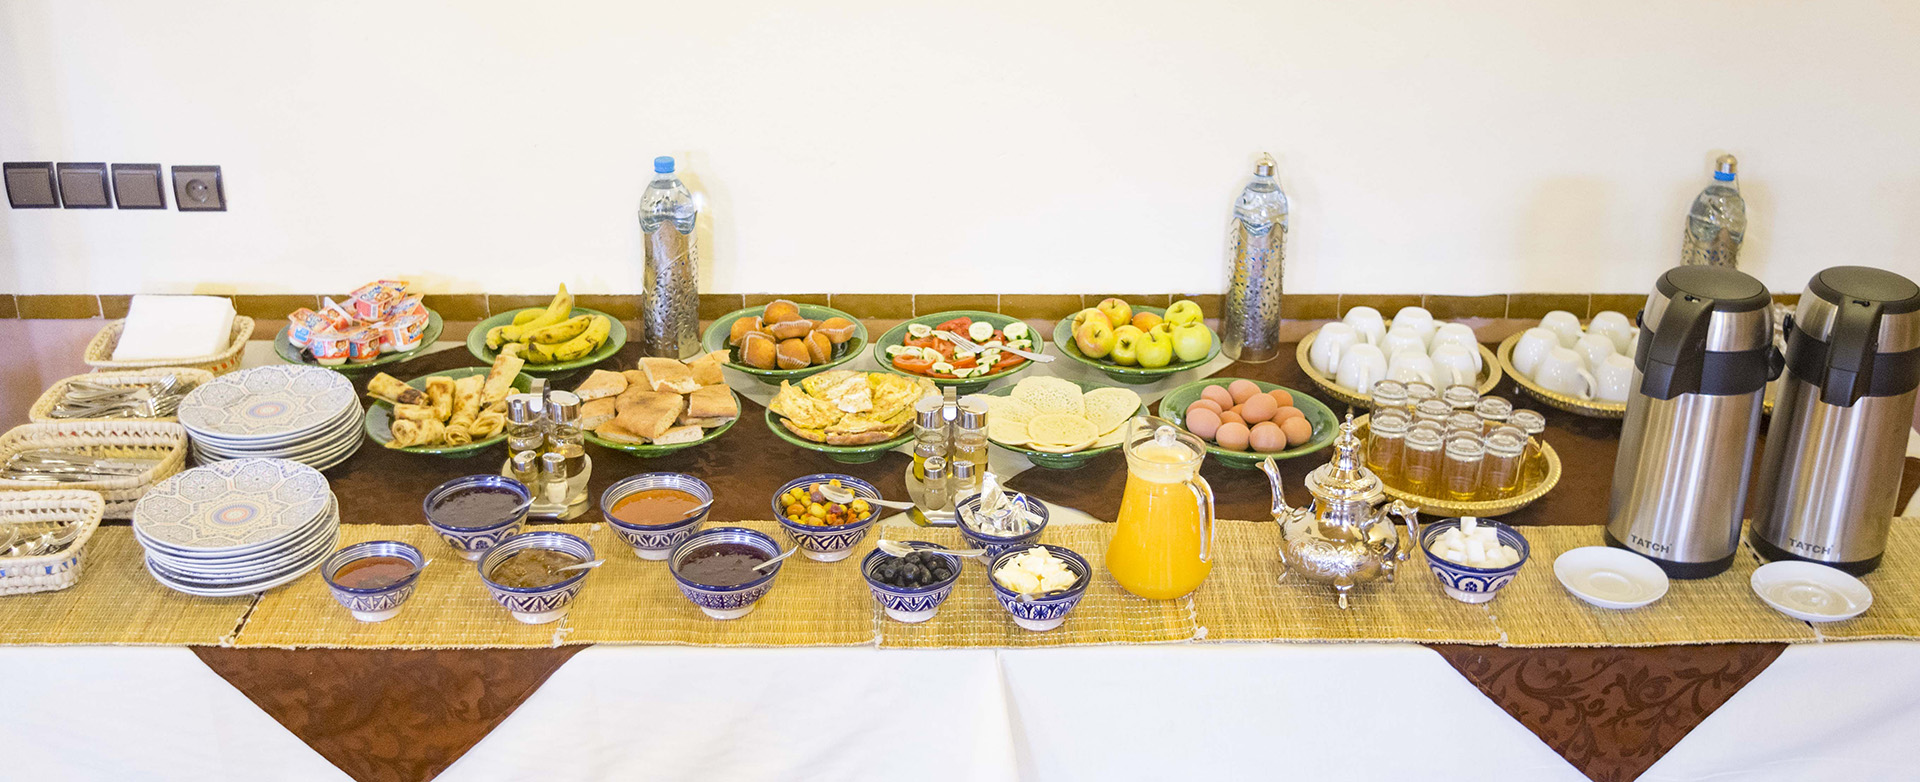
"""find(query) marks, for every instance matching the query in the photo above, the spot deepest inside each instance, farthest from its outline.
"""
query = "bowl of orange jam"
(654, 511)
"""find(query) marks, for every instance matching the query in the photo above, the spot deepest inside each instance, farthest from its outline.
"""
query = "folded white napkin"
(164, 327)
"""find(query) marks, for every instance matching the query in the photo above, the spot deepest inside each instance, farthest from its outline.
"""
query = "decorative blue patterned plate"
(267, 403)
(232, 507)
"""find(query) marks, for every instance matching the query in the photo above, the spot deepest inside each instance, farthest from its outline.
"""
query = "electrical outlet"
(137, 186)
(31, 186)
(84, 186)
(198, 189)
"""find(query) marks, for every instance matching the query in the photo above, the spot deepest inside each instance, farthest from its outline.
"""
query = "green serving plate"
(844, 454)
(380, 416)
(1326, 425)
(649, 450)
(1063, 339)
(1057, 461)
(716, 335)
(292, 355)
(616, 339)
(898, 336)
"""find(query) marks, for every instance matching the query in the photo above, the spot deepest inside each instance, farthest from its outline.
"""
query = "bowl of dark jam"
(373, 579)
(715, 569)
(478, 512)
(527, 575)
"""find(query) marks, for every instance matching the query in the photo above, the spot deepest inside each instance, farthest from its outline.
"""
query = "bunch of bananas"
(551, 335)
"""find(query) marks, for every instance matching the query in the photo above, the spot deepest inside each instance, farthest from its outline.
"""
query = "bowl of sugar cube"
(1473, 558)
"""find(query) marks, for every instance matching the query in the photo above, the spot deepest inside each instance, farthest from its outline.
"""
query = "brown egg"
(1232, 436)
(1206, 403)
(1267, 438)
(1231, 417)
(1297, 430)
(1280, 395)
(1242, 390)
(1203, 421)
(1258, 408)
(1285, 413)
(1219, 396)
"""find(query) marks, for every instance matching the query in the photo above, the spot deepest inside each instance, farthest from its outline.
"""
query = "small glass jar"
(1385, 434)
(970, 435)
(1464, 422)
(1461, 398)
(1494, 410)
(1432, 410)
(1420, 458)
(1529, 421)
(1389, 395)
(929, 434)
(1506, 451)
(1418, 392)
(1460, 470)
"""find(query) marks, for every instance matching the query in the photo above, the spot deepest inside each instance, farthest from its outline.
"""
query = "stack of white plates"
(237, 527)
(307, 414)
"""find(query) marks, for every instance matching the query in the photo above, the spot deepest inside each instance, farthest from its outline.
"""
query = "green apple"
(1080, 318)
(1094, 337)
(1127, 341)
(1117, 311)
(1156, 350)
(1191, 341)
(1183, 312)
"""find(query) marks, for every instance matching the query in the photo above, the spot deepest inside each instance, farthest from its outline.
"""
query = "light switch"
(198, 189)
(84, 186)
(31, 186)
(137, 186)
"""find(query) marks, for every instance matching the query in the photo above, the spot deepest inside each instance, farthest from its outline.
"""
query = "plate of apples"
(1138, 344)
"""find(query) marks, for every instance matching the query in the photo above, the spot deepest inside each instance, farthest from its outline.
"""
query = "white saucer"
(1610, 577)
(1811, 592)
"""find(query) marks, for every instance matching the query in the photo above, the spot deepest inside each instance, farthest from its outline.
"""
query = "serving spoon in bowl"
(762, 567)
(969, 345)
(896, 548)
(844, 495)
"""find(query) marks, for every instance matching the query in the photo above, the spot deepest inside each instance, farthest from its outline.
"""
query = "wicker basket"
(110, 439)
(59, 570)
(100, 351)
(1592, 408)
(42, 410)
(1543, 462)
(1489, 375)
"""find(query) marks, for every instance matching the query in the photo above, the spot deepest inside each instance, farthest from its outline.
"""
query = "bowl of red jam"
(373, 579)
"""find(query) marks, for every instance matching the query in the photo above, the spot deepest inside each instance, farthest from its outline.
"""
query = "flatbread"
(712, 402)
(1058, 429)
(1006, 431)
(649, 414)
(706, 368)
(601, 384)
(677, 435)
(1006, 408)
(665, 374)
(1049, 394)
(1108, 408)
(597, 412)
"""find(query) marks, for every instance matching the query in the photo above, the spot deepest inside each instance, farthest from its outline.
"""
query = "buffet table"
(706, 713)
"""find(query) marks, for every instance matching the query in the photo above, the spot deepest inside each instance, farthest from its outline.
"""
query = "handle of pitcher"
(1203, 497)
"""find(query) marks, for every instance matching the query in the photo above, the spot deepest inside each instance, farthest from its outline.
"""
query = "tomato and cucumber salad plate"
(916, 348)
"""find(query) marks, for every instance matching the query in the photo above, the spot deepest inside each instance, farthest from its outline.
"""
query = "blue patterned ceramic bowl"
(379, 604)
(655, 541)
(827, 544)
(1042, 613)
(725, 602)
(910, 605)
(998, 544)
(471, 542)
(1472, 584)
(537, 605)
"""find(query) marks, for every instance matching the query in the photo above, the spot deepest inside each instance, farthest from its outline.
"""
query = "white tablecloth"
(1835, 711)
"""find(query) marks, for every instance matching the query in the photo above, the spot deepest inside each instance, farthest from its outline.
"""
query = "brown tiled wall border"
(1296, 306)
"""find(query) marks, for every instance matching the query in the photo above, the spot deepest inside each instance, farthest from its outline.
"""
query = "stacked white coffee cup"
(1592, 363)
(1363, 348)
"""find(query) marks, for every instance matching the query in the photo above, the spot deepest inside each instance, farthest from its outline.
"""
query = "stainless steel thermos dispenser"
(1830, 475)
(1686, 448)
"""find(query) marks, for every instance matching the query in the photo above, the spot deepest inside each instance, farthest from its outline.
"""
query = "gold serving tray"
(1591, 408)
(1489, 375)
(1544, 464)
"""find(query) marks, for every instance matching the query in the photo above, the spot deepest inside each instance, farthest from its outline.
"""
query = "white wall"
(1460, 147)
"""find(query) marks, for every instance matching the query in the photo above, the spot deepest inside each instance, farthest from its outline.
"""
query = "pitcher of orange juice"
(1163, 548)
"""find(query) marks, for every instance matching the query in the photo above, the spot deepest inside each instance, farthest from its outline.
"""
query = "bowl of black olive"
(912, 587)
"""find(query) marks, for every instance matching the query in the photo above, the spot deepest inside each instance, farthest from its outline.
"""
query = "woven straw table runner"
(1896, 592)
(116, 602)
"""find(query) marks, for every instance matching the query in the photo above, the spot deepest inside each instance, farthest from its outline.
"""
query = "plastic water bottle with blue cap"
(1718, 221)
(670, 305)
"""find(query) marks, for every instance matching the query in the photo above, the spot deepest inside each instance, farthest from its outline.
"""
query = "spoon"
(844, 495)
(582, 566)
(897, 548)
(762, 567)
(968, 344)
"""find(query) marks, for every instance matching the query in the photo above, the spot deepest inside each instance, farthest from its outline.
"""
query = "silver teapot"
(1341, 539)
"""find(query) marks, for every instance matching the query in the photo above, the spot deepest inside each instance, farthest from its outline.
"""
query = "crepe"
(388, 387)
(440, 396)
(499, 382)
(665, 374)
(466, 403)
(407, 433)
(414, 413)
(601, 384)
(487, 424)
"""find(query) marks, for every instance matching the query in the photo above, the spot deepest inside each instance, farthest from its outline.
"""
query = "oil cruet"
(1163, 547)
(1341, 539)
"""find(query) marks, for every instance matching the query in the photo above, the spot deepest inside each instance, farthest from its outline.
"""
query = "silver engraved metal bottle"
(1256, 251)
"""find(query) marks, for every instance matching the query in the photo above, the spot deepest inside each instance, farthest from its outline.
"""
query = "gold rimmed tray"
(1591, 408)
(1489, 375)
(1541, 466)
